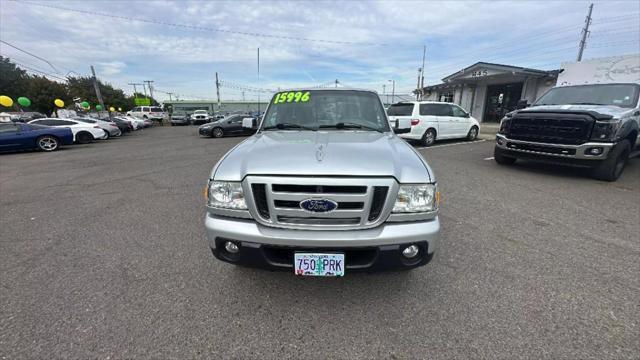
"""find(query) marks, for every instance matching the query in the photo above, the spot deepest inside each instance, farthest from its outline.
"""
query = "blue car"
(17, 136)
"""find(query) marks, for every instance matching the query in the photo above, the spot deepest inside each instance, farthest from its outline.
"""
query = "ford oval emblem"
(318, 205)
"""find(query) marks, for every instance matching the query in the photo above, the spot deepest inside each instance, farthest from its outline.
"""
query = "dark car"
(123, 124)
(17, 136)
(231, 125)
(179, 119)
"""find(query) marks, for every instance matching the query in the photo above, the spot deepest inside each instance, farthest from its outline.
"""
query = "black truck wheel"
(611, 168)
(501, 159)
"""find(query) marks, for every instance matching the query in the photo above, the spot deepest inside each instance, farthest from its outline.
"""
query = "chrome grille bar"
(298, 218)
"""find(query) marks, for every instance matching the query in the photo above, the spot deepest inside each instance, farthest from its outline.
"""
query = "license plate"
(307, 264)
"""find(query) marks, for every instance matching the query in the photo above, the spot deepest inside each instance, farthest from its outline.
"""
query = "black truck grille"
(569, 129)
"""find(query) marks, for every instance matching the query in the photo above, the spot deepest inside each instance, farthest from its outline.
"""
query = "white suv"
(434, 120)
(147, 112)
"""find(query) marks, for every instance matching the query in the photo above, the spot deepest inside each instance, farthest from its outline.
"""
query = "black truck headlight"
(505, 124)
(605, 130)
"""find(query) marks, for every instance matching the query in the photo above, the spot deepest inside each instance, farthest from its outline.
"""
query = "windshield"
(623, 95)
(326, 109)
(400, 110)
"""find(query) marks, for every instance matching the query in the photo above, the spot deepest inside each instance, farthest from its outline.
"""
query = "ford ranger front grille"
(360, 202)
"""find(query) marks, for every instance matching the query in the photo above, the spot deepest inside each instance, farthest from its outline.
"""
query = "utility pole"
(258, 81)
(144, 88)
(98, 94)
(384, 87)
(150, 88)
(424, 55)
(135, 90)
(170, 96)
(218, 90)
(418, 90)
(585, 33)
(393, 90)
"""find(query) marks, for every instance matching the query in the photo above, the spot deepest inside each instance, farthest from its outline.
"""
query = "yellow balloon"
(112, 109)
(6, 101)
(59, 103)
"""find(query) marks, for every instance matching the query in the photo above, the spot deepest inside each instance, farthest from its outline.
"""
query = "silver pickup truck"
(324, 187)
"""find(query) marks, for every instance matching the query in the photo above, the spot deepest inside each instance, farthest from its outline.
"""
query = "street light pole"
(393, 90)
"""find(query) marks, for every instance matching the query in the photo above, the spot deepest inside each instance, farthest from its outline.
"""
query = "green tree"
(13, 80)
(42, 92)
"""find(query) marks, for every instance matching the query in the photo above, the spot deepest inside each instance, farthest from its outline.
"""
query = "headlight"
(416, 198)
(505, 124)
(604, 130)
(225, 194)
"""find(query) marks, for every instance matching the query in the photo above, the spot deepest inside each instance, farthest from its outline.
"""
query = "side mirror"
(524, 103)
(403, 126)
(247, 123)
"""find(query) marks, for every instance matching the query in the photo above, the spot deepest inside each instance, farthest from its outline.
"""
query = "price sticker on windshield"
(291, 96)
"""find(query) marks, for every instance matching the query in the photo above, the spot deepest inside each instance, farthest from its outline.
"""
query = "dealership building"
(226, 107)
(488, 91)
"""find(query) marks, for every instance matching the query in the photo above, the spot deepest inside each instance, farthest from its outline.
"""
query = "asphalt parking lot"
(103, 255)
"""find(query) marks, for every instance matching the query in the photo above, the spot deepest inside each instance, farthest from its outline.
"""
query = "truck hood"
(615, 111)
(324, 153)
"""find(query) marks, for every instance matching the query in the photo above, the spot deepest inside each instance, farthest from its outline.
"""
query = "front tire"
(217, 132)
(611, 168)
(108, 135)
(84, 137)
(428, 138)
(48, 143)
(501, 159)
(473, 133)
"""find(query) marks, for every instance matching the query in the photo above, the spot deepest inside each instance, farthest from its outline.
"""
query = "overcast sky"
(363, 44)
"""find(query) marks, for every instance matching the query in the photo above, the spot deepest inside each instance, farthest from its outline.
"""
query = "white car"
(431, 121)
(137, 123)
(110, 127)
(200, 117)
(83, 133)
(147, 112)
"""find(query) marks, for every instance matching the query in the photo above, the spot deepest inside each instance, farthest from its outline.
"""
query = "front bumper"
(373, 249)
(559, 151)
(205, 131)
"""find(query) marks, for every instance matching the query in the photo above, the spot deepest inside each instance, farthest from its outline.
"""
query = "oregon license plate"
(308, 264)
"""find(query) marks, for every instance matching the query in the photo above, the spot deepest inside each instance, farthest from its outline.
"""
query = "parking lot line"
(489, 158)
(445, 145)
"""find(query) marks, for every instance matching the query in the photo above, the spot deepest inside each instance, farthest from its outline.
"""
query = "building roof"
(500, 67)
(491, 69)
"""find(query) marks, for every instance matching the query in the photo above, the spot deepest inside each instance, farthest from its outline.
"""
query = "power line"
(39, 71)
(202, 28)
(35, 56)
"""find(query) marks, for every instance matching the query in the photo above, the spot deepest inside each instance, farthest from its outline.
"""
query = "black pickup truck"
(593, 126)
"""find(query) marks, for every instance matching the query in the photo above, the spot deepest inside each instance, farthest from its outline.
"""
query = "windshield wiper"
(348, 125)
(585, 103)
(286, 126)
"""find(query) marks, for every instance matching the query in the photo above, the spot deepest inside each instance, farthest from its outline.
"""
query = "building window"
(446, 96)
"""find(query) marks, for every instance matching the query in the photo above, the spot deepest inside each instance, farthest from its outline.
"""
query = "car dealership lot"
(102, 254)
